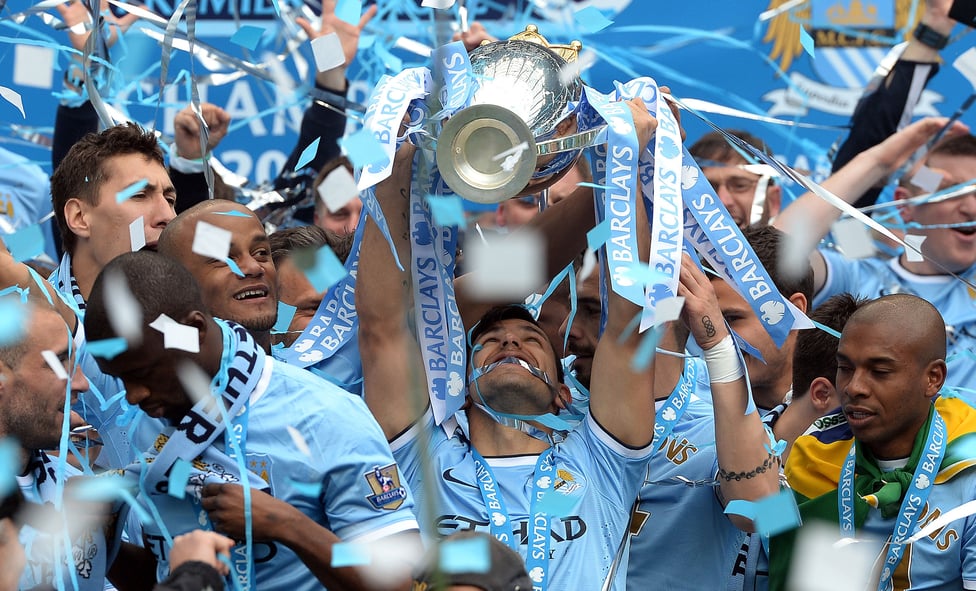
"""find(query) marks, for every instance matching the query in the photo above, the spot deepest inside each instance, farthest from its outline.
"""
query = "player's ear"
(823, 395)
(564, 398)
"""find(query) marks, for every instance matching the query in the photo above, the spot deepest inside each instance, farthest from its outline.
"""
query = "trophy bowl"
(492, 150)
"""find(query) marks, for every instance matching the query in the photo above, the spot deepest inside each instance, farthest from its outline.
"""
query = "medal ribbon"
(923, 480)
(537, 554)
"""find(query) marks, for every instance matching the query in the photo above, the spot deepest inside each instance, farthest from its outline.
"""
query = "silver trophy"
(518, 135)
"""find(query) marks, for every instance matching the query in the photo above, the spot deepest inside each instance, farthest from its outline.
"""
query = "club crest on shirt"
(566, 482)
(385, 483)
(260, 464)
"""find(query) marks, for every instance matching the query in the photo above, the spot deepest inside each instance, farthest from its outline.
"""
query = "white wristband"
(722, 361)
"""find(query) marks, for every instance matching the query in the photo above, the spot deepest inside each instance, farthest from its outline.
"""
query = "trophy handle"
(479, 154)
(577, 141)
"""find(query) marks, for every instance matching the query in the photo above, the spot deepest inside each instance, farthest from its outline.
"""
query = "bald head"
(907, 315)
(175, 240)
(242, 287)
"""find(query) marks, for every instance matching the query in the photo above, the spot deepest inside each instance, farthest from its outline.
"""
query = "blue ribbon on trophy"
(660, 177)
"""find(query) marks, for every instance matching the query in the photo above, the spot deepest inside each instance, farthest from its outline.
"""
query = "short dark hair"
(512, 312)
(815, 355)
(713, 146)
(82, 172)
(285, 242)
(767, 242)
(160, 284)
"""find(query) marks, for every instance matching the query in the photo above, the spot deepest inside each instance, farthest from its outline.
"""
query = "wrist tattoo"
(709, 327)
(771, 461)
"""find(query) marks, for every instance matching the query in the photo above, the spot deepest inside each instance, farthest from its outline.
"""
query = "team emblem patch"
(385, 483)
(566, 483)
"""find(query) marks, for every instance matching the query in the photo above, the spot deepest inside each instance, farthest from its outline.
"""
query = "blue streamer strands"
(131, 190)
(349, 554)
(468, 556)
(772, 515)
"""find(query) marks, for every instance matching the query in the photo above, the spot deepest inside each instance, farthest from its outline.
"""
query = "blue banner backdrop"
(718, 52)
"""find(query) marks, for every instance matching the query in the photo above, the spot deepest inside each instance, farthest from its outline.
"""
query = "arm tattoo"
(709, 327)
(771, 461)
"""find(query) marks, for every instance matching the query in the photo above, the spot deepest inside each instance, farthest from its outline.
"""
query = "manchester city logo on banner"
(388, 493)
(851, 38)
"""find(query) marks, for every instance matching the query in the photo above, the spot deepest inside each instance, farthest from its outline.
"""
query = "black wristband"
(929, 37)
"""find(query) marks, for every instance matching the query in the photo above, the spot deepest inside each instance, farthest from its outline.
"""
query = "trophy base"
(479, 154)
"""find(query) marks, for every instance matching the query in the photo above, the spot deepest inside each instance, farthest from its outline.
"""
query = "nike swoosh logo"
(451, 478)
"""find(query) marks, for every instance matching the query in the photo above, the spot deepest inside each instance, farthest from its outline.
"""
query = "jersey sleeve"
(364, 494)
(608, 461)
(844, 275)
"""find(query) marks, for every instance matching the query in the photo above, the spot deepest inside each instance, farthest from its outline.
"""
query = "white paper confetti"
(794, 256)
(927, 179)
(137, 234)
(299, 441)
(574, 69)
(176, 335)
(125, 313)
(507, 269)
(337, 189)
(511, 156)
(853, 238)
(33, 66)
(413, 46)
(57, 366)
(850, 563)
(211, 241)
(327, 50)
(668, 309)
(966, 65)
(194, 380)
(589, 265)
(914, 242)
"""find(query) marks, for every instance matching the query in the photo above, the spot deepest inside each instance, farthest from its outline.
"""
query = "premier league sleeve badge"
(388, 493)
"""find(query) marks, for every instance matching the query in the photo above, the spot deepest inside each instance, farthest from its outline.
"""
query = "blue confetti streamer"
(107, 348)
(308, 154)
(466, 556)
(247, 36)
(285, 314)
(179, 475)
(347, 554)
(131, 190)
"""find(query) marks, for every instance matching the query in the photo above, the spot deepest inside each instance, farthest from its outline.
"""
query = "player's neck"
(85, 269)
(263, 339)
(493, 439)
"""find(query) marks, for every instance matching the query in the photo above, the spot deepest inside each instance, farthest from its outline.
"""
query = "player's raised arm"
(870, 167)
(14, 273)
(622, 399)
(393, 376)
(747, 469)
